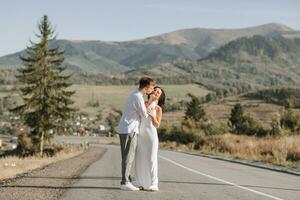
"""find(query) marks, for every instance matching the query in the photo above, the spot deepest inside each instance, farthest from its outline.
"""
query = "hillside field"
(115, 96)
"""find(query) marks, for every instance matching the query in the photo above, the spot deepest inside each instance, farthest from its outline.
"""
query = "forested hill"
(255, 62)
(115, 57)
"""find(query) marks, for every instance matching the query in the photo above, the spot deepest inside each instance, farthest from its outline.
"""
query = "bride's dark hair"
(162, 98)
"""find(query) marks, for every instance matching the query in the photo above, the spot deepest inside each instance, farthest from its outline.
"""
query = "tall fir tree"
(47, 102)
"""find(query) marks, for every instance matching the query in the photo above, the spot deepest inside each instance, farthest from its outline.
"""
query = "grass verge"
(283, 151)
(11, 166)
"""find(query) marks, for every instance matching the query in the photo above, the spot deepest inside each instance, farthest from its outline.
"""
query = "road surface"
(183, 176)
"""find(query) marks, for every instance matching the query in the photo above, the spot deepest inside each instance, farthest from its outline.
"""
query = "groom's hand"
(131, 135)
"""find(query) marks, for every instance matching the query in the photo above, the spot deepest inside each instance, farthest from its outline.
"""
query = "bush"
(52, 150)
(180, 135)
(93, 103)
(244, 124)
(251, 126)
(291, 121)
(211, 129)
(210, 97)
(112, 121)
(25, 145)
(275, 126)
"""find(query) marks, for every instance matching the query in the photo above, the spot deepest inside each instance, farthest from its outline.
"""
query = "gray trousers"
(128, 146)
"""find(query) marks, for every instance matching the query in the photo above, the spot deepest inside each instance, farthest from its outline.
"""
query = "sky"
(121, 20)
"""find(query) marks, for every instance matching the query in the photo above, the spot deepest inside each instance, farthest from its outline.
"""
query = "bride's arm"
(156, 119)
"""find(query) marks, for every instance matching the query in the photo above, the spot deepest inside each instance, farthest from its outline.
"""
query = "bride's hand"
(147, 103)
(150, 113)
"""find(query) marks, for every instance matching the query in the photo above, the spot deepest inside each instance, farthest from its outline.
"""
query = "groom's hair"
(146, 81)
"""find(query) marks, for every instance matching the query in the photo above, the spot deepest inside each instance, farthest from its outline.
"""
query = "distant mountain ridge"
(116, 57)
(255, 62)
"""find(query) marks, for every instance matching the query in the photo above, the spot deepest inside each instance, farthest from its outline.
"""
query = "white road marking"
(220, 180)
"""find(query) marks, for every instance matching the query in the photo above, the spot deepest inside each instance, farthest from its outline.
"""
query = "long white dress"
(146, 153)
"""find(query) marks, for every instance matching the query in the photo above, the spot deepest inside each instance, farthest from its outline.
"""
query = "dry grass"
(219, 111)
(115, 96)
(258, 109)
(172, 118)
(284, 150)
(12, 166)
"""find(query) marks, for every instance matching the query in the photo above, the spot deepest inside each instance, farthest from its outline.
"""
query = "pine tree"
(194, 109)
(47, 103)
(237, 118)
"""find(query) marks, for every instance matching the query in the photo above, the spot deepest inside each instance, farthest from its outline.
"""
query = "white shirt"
(133, 112)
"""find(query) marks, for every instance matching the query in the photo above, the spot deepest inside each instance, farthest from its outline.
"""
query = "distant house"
(102, 127)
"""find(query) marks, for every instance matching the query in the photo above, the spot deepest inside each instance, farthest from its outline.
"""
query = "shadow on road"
(59, 187)
(119, 178)
(77, 178)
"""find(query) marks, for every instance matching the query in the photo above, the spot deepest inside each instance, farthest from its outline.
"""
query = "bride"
(147, 142)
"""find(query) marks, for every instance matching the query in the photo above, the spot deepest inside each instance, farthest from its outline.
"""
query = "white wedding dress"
(146, 153)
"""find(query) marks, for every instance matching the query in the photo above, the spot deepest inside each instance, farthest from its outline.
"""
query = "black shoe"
(130, 179)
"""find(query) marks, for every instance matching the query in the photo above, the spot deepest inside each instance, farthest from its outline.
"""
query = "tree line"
(196, 124)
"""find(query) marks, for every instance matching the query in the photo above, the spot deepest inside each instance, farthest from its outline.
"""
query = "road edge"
(252, 163)
(56, 191)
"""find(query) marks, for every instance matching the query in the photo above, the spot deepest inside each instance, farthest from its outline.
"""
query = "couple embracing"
(138, 136)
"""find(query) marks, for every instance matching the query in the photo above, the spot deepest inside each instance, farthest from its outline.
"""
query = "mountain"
(242, 64)
(117, 57)
(203, 41)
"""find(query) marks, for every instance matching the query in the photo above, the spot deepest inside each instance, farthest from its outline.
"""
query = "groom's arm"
(141, 107)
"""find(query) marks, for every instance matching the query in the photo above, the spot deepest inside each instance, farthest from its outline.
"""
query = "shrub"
(93, 103)
(215, 128)
(112, 121)
(52, 150)
(275, 126)
(25, 145)
(245, 124)
(210, 97)
(291, 121)
(180, 135)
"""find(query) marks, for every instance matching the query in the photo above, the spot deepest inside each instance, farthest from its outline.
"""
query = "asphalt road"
(183, 176)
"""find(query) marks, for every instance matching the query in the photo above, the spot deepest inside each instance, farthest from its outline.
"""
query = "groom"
(128, 128)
